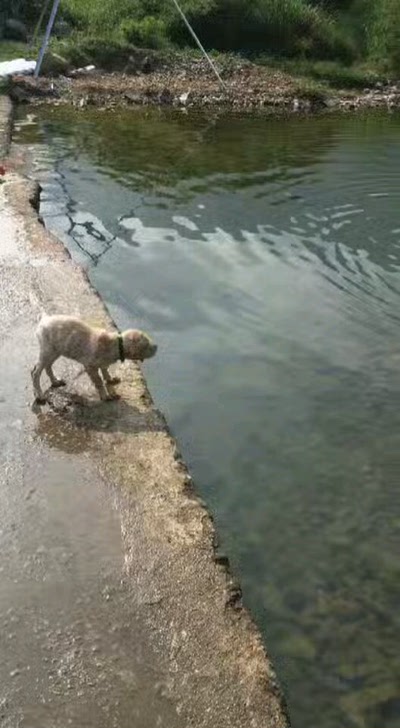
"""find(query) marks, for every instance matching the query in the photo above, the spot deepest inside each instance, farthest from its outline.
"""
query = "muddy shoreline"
(192, 85)
(214, 666)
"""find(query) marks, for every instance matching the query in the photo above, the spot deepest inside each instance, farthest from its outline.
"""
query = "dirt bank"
(247, 86)
(114, 605)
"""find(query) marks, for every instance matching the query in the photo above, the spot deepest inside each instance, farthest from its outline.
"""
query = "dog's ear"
(133, 335)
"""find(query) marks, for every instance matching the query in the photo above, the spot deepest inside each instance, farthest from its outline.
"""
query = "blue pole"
(47, 35)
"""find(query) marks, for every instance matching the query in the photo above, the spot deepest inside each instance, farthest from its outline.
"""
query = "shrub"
(149, 32)
(384, 34)
(281, 27)
(340, 30)
(97, 16)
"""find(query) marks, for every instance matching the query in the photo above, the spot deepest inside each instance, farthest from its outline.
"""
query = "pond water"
(264, 257)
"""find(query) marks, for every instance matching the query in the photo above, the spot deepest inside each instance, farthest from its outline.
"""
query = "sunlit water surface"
(263, 255)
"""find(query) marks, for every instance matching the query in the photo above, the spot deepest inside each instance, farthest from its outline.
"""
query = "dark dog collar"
(121, 348)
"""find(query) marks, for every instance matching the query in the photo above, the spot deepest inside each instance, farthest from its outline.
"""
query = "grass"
(328, 74)
(10, 50)
(78, 50)
(106, 53)
(326, 40)
(291, 27)
(341, 77)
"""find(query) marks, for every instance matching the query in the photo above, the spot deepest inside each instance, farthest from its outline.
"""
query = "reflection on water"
(264, 257)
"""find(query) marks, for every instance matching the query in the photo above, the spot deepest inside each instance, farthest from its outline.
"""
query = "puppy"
(96, 349)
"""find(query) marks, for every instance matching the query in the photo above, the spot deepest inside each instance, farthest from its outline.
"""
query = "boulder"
(54, 65)
(15, 30)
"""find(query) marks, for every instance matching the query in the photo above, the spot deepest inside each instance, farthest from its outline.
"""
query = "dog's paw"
(111, 397)
(58, 383)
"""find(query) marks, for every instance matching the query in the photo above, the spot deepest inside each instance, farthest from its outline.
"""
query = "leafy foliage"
(326, 30)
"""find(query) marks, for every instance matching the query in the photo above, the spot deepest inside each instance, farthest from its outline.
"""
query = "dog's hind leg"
(36, 374)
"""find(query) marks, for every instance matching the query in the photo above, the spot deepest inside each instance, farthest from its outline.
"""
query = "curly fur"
(95, 348)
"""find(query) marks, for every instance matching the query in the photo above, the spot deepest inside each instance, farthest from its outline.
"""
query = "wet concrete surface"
(72, 650)
(114, 610)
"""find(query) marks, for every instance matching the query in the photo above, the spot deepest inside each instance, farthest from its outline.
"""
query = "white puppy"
(96, 349)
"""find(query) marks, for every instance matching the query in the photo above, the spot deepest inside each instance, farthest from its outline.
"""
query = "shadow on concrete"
(68, 422)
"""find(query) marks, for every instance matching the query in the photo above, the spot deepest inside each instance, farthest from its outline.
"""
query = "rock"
(183, 99)
(330, 102)
(54, 65)
(165, 97)
(86, 70)
(147, 66)
(133, 98)
(15, 30)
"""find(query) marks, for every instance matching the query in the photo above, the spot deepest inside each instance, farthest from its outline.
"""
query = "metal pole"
(203, 50)
(49, 28)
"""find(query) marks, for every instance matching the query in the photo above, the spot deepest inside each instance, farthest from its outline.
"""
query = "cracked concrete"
(114, 609)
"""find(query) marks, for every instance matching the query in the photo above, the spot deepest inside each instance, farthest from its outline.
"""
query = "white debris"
(17, 67)
(184, 98)
(85, 69)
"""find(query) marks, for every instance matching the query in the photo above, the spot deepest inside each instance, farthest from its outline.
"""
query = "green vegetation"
(311, 34)
(385, 33)
(328, 74)
(9, 50)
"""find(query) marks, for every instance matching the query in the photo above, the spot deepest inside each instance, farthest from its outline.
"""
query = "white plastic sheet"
(17, 67)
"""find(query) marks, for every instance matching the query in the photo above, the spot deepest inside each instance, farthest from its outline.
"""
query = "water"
(263, 255)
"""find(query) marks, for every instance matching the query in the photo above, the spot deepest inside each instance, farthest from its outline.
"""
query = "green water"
(264, 256)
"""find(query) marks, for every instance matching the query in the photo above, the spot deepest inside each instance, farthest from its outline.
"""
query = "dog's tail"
(36, 306)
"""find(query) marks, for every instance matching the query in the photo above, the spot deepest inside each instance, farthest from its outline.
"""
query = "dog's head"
(138, 345)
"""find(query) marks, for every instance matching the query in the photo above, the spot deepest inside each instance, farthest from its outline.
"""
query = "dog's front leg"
(104, 394)
(108, 378)
(53, 379)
